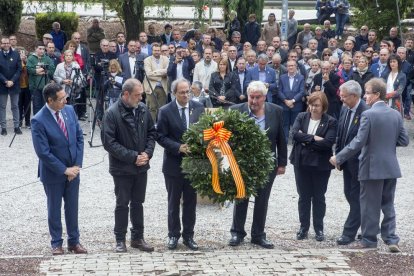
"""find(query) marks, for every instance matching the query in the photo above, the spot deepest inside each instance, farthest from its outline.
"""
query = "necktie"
(346, 126)
(183, 117)
(381, 70)
(122, 49)
(61, 124)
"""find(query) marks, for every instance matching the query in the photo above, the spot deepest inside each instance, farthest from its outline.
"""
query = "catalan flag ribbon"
(218, 137)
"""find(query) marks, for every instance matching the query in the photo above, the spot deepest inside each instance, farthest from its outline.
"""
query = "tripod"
(100, 107)
(45, 79)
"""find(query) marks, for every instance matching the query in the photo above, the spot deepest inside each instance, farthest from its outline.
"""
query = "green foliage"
(381, 18)
(69, 22)
(250, 147)
(247, 7)
(11, 13)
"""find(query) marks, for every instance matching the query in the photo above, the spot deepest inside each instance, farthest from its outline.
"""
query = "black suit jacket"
(10, 70)
(170, 131)
(274, 130)
(330, 88)
(237, 90)
(353, 162)
(306, 151)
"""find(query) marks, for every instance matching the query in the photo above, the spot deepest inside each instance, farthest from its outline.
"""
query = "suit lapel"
(268, 115)
(322, 125)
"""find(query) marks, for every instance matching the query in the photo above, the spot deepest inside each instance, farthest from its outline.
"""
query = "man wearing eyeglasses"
(362, 38)
(58, 143)
(173, 120)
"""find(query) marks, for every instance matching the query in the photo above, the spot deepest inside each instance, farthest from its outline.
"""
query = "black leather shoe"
(142, 245)
(302, 234)
(190, 243)
(264, 243)
(319, 236)
(120, 247)
(4, 132)
(235, 240)
(17, 130)
(172, 243)
(344, 240)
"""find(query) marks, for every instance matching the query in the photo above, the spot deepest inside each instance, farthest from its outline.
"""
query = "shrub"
(11, 13)
(69, 22)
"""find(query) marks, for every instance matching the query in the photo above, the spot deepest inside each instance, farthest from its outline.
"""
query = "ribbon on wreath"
(218, 137)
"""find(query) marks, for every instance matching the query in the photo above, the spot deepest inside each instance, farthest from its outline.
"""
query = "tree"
(11, 13)
(381, 17)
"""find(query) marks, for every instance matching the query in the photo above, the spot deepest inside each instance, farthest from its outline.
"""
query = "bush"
(11, 13)
(69, 22)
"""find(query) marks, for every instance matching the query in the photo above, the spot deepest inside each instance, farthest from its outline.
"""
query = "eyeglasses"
(327, 55)
(183, 92)
(368, 51)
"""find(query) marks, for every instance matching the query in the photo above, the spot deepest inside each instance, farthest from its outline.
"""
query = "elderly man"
(173, 120)
(10, 70)
(59, 37)
(381, 131)
(305, 35)
(237, 80)
(350, 93)
(328, 82)
(268, 117)
(362, 38)
(264, 74)
(393, 37)
(291, 91)
(128, 135)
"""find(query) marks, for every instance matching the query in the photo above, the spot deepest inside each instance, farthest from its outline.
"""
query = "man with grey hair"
(128, 135)
(268, 117)
(264, 74)
(174, 119)
(350, 94)
(58, 36)
(380, 132)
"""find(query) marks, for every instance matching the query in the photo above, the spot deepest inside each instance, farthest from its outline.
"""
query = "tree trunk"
(134, 18)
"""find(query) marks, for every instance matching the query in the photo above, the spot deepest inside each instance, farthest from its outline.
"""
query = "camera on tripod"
(139, 64)
(104, 63)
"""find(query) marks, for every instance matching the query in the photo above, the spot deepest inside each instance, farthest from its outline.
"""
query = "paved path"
(229, 262)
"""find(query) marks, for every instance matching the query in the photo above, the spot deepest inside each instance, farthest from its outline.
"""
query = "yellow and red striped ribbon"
(218, 137)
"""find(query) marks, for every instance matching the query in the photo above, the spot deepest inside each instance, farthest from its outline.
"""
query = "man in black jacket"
(129, 135)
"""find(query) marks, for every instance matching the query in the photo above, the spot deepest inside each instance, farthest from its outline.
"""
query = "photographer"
(102, 58)
(113, 84)
(68, 75)
(40, 68)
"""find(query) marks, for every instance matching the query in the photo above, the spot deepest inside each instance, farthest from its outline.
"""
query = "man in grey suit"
(381, 131)
(348, 125)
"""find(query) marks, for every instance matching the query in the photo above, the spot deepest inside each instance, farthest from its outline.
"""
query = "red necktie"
(61, 124)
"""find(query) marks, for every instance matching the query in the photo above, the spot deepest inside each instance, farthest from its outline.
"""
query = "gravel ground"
(23, 218)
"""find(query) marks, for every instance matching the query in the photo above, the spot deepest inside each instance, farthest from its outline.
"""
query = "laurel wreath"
(250, 146)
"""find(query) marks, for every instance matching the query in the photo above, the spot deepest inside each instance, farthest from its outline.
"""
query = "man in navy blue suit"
(58, 142)
(173, 120)
(264, 74)
(10, 70)
(291, 91)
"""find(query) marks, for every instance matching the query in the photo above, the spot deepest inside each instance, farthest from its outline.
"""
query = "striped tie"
(61, 124)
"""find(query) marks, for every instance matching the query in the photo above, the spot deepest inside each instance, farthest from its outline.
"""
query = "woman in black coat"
(362, 74)
(219, 88)
(314, 134)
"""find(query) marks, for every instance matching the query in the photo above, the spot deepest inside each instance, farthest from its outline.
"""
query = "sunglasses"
(369, 51)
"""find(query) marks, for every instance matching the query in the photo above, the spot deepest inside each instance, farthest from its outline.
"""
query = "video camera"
(43, 66)
(104, 63)
(139, 64)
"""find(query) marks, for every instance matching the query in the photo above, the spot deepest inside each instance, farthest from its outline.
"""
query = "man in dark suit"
(128, 134)
(348, 125)
(180, 60)
(121, 46)
(237, 80)
(381, 131)
(58, 142)
(328, 82)
(264, 74)
(173, 120)
(10, 70)
(268, 117)
(291, 91)
(128, 61)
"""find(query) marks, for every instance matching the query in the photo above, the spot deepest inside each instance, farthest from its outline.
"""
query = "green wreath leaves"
(249, 144)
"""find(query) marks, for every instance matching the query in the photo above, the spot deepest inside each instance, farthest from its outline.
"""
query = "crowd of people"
(305, 89)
